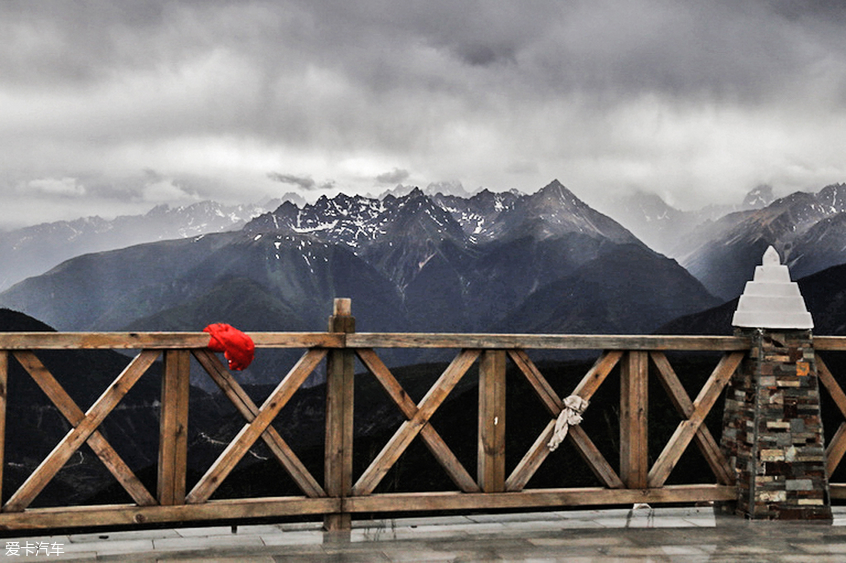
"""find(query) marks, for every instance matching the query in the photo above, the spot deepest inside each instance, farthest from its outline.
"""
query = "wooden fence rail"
(634, 477)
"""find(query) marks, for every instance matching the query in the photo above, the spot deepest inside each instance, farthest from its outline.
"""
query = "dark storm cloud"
(393, 177)
(305, 183)
(687, 96)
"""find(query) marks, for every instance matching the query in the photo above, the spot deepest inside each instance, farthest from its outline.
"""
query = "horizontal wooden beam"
(837, 490)
(169, 340)
(107, 515)
(546, 341)
(829, 343)
(536, 498)
(158, 340)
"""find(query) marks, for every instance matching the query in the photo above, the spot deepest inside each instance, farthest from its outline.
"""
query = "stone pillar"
(772, 429)
(772, 425)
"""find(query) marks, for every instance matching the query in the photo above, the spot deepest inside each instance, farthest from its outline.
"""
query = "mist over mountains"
(415, 260)
(31, 251)
(409, 263)
(806, 228)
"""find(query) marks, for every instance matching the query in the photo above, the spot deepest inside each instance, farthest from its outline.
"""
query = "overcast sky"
(112, 107)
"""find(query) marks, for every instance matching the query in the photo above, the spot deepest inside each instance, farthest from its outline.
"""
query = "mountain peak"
(758, 197)
(415, 193)
(555, 197)
(556, 191)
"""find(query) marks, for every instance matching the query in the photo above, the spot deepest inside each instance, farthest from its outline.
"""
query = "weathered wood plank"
(157, 340)
(537, 498)
(74, 415)
(832, 343)
(837, 446)
(340, 394)
(634, 413)
(597, 374)
(672, 384)
(533, 458)
(193, 340)
(80, 434)
(540, 385)
(248, 409)
(453, 467)
(539, 451)
(490, 453)
(129, 515)
(4, 386)
(545, 341)
(831, 385)
(835, 449)
(248, 435)
(714, 456)
(837, 490)
(410, 428)
(173, 428)
(694, 414)
(594, 458)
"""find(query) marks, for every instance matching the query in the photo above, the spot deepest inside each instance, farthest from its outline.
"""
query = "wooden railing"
(344, 492)
(836, 443)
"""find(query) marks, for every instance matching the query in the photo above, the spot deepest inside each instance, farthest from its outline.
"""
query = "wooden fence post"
(634, 450)
(4, 386)
(491, 445)
(340, 371)
(173, 429)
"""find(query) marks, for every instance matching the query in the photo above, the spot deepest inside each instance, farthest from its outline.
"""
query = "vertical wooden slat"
(4, 386)
(634, 461)
(340, 390)
(173, 432)
(491, 441)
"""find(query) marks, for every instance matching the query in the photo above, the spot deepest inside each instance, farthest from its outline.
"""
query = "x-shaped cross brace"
(256, 426)
(417, 422)
(84, 429)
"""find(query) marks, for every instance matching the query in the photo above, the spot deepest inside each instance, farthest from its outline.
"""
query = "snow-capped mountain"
(479, 214)
(806, 229)
(411, 263)
(669, 230)
(34, 250)
(758, 198)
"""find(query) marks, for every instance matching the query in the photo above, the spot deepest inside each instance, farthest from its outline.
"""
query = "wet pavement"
(576, 536)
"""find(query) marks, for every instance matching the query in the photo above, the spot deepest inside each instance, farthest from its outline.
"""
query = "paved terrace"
(620, 535)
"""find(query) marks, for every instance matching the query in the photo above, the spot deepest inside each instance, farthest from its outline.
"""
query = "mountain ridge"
(34, 250)
(413, 263)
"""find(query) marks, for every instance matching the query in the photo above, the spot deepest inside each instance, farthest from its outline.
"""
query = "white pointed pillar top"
(771, 300)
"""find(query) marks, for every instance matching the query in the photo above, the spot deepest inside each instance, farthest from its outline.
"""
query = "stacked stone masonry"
(772, 429)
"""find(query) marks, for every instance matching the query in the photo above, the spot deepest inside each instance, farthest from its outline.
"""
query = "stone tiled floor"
(619, 535)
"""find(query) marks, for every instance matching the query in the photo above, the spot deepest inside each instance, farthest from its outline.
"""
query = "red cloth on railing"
(236, 346)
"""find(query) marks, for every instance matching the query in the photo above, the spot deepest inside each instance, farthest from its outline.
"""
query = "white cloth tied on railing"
(570, 415)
